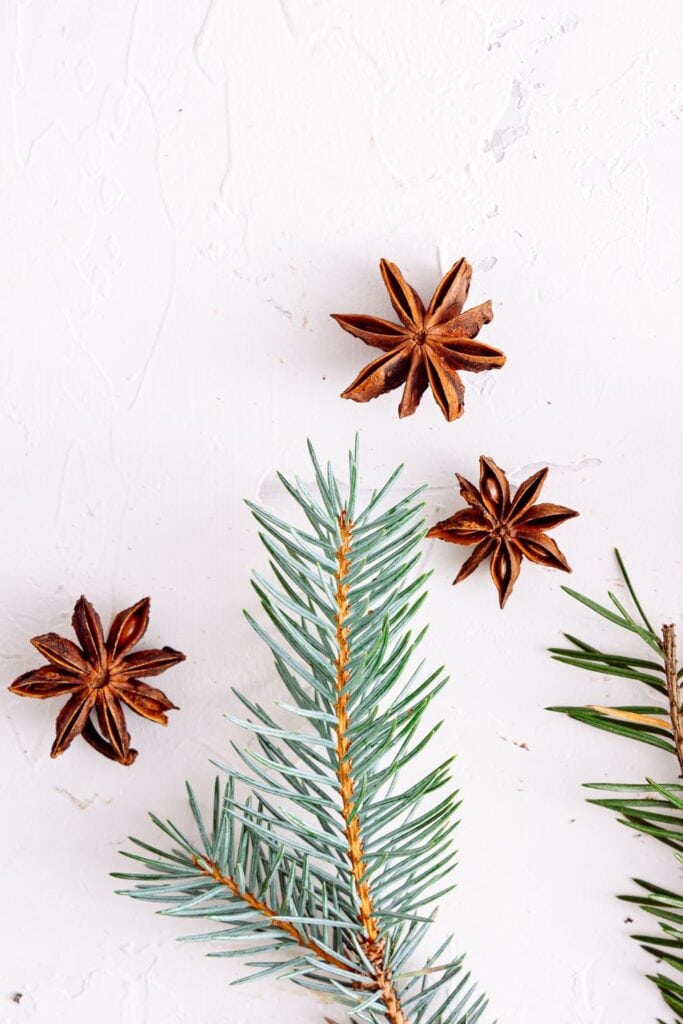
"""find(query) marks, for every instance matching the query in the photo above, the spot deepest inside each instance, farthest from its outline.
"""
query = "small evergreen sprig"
(652, 808)
(318, 863)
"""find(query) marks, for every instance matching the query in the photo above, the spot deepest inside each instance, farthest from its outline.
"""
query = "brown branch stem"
(211, 870)
(673, 689)
(372, 940)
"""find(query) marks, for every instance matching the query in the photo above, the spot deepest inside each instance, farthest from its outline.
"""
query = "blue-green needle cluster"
(319, 862)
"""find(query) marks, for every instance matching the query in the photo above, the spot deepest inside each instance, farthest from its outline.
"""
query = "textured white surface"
(188, 189)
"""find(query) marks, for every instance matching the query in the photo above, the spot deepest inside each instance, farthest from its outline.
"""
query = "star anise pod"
(100, 676)
(508, 529)
(428, 348)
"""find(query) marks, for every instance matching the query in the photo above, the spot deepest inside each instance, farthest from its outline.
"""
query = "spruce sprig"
(652, 808)
(319, 863)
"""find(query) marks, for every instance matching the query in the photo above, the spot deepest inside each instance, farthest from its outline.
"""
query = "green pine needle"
(317, 861)
(651, 808)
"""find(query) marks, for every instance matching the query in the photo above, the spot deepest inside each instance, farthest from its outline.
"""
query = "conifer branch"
(651, 808)
(317, 859)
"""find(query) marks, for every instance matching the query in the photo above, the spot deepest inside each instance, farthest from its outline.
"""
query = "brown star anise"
(508, 529)
(428, 348)
(100, 676)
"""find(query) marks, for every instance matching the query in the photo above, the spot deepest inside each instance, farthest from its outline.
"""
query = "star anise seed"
(506, 529)
(428, 348)
(100, 676)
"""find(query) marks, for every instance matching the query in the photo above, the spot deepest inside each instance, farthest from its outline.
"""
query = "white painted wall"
(188, 189)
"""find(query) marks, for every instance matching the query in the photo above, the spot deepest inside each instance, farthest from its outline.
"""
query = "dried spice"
(504, 528)
(428, 348)
(100, 677)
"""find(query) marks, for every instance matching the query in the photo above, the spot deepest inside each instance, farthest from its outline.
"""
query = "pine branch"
(651, 808)
(318, 861)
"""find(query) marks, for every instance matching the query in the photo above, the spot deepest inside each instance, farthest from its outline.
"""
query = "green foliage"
(651, 808)
(318, 863)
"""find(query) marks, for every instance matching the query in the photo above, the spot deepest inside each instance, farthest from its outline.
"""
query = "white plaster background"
(188, 189)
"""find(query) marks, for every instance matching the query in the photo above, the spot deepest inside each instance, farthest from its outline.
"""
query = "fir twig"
(319, 864)
(650, 808)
